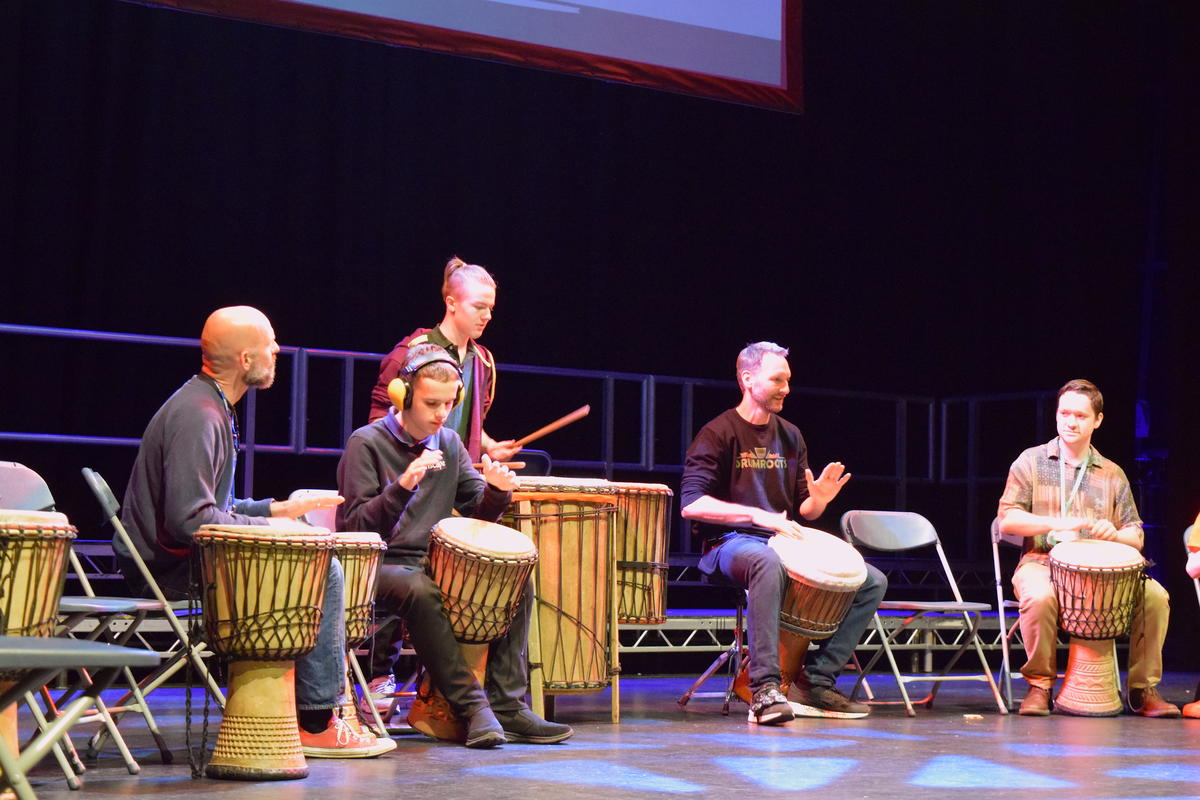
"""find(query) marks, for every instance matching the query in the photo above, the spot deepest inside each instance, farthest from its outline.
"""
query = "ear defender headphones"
(400, 389)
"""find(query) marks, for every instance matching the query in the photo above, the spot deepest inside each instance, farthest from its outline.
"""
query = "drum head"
(359, 539)
(18, 518)
(820, 559)
(287, 528)
(1096, 553)
(485, 538)
(550, 483)
(618, 488)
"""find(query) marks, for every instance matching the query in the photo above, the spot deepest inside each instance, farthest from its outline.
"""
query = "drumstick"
(509, 464)
(577, 414)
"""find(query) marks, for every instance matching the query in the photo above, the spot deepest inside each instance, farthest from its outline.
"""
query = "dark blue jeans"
(746, 562)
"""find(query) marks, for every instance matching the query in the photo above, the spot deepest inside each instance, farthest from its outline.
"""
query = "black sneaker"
(769, 706)
(526, 727)
(808, 700)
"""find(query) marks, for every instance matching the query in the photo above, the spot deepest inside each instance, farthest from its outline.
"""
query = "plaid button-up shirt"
(1033, 485)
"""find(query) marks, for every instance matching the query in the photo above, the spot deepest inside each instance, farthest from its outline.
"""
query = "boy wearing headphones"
(400, 475)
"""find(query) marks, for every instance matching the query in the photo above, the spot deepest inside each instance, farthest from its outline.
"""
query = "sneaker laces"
(382, 687)
(767, 696)
(344, 731)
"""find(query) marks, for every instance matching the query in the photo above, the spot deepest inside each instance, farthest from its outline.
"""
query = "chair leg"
(708, 673)
(67, 746)
(361, 679)
(731, 656)
(70, 765)
(987, 669)
(886, 644)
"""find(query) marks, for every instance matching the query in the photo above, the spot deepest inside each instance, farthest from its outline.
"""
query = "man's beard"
(261, 377)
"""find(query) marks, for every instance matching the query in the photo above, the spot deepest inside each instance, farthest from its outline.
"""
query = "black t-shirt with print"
(754, 465)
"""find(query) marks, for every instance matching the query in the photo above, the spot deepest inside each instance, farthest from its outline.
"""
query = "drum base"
(431, 715)
(792, 650)
(1090, 688)
(259, 739)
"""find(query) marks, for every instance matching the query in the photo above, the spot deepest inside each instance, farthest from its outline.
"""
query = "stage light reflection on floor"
(774, 743)
(1189, 773)
(788, 774)
(968, 772)
(1084, 751)
(586, 772)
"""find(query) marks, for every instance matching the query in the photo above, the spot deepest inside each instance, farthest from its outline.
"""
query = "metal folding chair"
(899, 531)
(1003, 605)
(23, 488)
(184, 648)
(45, 658)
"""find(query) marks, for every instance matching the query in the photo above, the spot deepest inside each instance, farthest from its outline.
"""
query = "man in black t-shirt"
(747, 474)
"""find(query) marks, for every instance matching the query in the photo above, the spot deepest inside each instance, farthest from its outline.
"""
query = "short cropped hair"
(438, 371)
(1088, 390)
(752, 355)
(459, 272)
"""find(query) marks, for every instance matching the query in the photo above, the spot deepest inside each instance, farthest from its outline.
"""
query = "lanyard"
(233, 429)
(1069, 500)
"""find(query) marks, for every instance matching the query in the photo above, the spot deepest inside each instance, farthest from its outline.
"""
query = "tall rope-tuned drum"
(1099, 584)
(33, 562)
(482, 570)
(640, 541)
(824, 574)
(263, 591)
(360, 554)
(573, 644)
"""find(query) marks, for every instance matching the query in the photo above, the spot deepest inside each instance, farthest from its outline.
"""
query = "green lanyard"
(1069, 500)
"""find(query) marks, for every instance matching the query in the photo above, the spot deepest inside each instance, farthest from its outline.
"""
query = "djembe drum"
(33, 563)
(1098, 585)
(481, 569)
(640, 540)
(573, 644)
(263, 595)
(360, 555)
(824, 574)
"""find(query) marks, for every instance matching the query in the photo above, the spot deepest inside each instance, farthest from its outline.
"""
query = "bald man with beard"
(183, 479)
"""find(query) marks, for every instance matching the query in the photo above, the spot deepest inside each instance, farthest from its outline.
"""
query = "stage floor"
(659, 750)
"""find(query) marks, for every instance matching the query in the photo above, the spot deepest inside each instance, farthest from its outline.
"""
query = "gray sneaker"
(524, 726)
(808, 700)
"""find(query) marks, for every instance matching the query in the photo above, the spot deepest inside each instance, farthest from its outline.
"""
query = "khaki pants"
(1039, 627)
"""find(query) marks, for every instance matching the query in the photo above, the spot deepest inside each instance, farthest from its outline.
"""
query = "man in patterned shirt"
(1064, 490)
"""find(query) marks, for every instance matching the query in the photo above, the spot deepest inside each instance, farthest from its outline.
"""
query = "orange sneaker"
(1192, 710)
(339, 740)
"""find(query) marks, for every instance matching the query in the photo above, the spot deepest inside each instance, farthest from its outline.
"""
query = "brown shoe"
(1036, 702)
(1149, 703)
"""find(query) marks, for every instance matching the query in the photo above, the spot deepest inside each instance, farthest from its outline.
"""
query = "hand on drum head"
(1066, 535)
(825, 488)
(1103, 529)
(498, 474)
(299, 506)
(779, 523)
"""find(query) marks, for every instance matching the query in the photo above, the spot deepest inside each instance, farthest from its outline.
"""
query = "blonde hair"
(459, 271)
